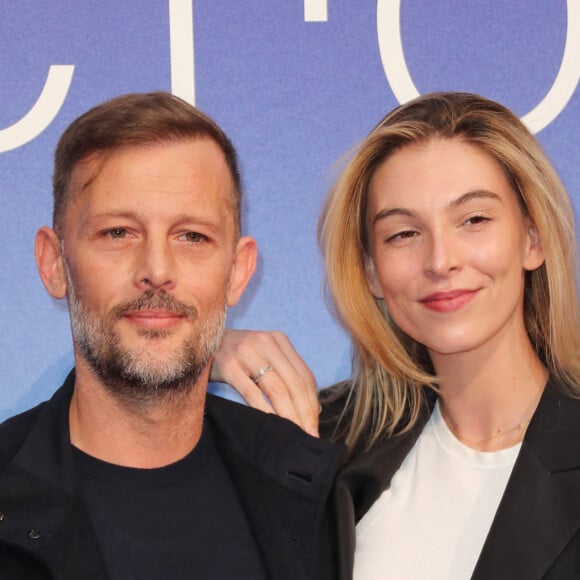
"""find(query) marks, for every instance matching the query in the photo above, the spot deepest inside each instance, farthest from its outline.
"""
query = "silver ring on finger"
(261, 373)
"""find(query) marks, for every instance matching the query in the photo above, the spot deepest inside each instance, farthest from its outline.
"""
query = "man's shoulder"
(233, 420)
(246, 427)
(216, 405)
(227, 413)
(15, 430)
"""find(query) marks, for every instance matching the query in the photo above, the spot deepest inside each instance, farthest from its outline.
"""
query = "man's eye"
(192, 237)
(117, 233)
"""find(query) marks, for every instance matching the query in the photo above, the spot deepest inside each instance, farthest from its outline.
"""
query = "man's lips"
(154, 318)
(448, 301)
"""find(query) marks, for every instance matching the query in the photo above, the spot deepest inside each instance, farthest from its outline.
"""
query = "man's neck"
(135, 434)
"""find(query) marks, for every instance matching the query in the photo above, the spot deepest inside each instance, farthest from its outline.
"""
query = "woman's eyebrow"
(475, 194)
(466, 197)
(388, 212)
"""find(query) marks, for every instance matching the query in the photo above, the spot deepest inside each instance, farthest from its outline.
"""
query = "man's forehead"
(88, 169)
(123, 197)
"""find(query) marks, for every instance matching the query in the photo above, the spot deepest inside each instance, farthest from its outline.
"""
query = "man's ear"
(49, 262)
(372, 278)
(534, 257)
(243, 268)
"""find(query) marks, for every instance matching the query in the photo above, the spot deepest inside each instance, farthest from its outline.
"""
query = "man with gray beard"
(131, 470)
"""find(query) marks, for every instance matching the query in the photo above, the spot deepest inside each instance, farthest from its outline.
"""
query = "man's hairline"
(100, 157)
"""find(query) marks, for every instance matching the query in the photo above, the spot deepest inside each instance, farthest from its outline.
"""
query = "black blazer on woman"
(536, 530)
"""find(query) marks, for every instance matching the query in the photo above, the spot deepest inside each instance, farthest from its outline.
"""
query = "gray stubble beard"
(135, 376)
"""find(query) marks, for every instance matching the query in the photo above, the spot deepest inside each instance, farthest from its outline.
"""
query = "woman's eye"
(476, 219)
(401, 236)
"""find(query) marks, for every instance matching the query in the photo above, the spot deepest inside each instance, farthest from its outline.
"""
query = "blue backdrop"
(295, 84)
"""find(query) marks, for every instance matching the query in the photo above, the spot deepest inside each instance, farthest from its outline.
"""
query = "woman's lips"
(448, 301)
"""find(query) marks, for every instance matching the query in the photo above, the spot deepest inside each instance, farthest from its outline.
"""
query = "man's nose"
(155, 268)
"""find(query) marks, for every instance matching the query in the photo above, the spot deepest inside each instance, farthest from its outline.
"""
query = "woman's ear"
(373, 278)
(49, 262)
(534, 257)
(242, 269)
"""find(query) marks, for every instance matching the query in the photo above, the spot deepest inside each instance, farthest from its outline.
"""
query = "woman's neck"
(489, 395)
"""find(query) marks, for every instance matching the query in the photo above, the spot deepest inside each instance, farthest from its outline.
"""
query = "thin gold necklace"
(476, 445)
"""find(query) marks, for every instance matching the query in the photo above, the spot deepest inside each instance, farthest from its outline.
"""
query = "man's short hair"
(132, 120)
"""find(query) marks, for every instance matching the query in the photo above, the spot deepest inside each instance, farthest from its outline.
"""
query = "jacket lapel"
(294, 474)
(364, 479)
(540, 509)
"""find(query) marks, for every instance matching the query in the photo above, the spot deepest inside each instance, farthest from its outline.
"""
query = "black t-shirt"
(182, 521)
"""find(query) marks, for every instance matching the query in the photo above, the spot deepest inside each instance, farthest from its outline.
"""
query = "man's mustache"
(155, 300)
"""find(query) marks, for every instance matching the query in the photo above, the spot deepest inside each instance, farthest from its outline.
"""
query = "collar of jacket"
(539, 513)
(42, 514)
(362, 480)
(283, 475)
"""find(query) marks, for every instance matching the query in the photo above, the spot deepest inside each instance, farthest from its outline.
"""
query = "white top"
(433, 520)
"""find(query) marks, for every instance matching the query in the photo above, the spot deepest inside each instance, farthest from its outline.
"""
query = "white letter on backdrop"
(181, 48)
(399, 78)
(315, 10)
(42, 112)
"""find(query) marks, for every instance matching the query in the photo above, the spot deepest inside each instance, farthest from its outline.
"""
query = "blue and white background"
(296, 84)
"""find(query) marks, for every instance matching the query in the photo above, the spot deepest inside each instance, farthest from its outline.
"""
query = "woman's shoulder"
(335, 408)
(560, 403)
(336, 396)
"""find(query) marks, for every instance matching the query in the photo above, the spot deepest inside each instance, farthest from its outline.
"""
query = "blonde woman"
(450, 254)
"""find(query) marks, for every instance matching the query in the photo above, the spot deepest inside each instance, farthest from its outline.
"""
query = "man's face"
(150, 260)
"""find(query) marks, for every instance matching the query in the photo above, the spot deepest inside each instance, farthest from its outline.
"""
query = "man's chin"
(157, 346)
(146, 383)
(147, 364)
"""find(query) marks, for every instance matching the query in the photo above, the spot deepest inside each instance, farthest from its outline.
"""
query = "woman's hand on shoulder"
(269, 374)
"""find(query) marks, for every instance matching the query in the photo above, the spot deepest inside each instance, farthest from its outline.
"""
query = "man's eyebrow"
(195, 220)
(178, 220)
(115, 214)
(475, 194)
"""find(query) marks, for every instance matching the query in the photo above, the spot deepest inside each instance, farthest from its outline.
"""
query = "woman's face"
(450, 246)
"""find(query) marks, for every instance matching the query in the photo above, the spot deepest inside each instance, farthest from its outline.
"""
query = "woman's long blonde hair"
(391, 370)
